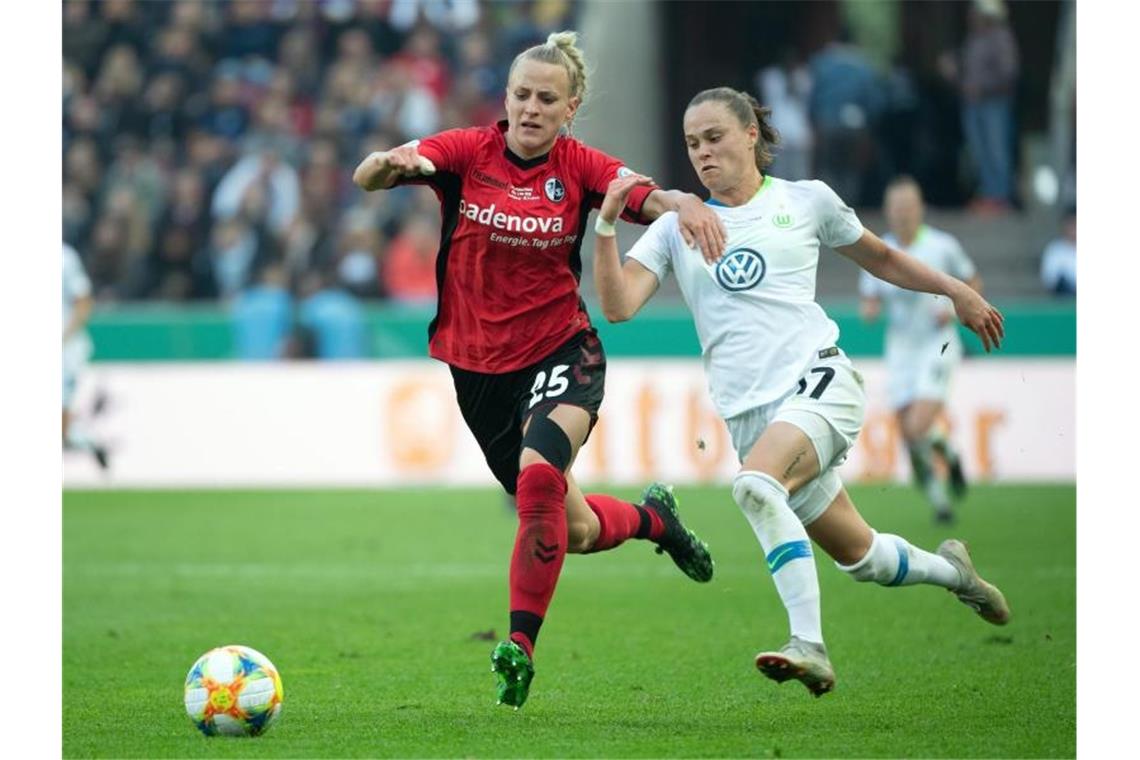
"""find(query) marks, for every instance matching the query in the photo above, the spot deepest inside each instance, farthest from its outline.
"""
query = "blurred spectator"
(177, 268)
(263, 316)
(447, 15)
(333, 318)
(845, 105)
(233, 252)
(785, 89)
(988, 80)
(261, 187)
(84, 35)
(1059, 260)
(356, 266)
(409, 263)
(423, 61)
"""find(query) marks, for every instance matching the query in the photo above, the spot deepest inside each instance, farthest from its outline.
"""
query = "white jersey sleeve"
(869, 285)
(958, 263)
(75, 282)
(654, 249)
(838, 224)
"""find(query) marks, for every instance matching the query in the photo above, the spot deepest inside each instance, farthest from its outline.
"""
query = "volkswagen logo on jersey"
(554, 189)
(740, 269)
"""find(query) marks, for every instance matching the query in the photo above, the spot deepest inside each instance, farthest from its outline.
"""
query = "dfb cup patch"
(554, 189)
(740, 269)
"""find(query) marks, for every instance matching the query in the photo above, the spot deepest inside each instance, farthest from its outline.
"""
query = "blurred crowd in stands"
(846, 122)
(208, 146)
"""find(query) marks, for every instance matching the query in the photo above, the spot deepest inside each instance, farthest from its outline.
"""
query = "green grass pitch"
(377, 606)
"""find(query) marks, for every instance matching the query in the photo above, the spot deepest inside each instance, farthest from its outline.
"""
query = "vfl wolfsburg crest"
(740, 269)
(783, 220)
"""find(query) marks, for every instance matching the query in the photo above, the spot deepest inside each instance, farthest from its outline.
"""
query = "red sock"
(540, 548)
(621, 520)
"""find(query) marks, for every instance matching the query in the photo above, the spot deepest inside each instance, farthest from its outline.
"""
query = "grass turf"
(378, 607)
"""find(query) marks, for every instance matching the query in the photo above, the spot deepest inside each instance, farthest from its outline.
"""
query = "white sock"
(764, 502)
(77, 439)
(893, 561)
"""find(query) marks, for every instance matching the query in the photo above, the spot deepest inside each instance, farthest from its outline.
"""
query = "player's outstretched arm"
(886, 263)
(379, 170)
(622, 290)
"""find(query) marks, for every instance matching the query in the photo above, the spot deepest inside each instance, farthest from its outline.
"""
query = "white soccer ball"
(233, 690)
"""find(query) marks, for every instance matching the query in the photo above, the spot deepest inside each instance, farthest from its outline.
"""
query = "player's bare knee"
(758, 492)
(580, 536)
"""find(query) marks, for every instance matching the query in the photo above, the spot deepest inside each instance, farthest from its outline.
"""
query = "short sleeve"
(450, 151)
(868, 285)
(837, 223)
(654, 249)
(960, 265)
(598, 170)
(75, 282)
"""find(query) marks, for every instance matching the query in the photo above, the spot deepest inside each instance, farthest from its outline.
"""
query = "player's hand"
(407, 162)
(980, 316)
(617, 194)
(701, 227)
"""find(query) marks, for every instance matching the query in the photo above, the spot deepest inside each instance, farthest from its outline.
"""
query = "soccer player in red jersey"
(527, 365)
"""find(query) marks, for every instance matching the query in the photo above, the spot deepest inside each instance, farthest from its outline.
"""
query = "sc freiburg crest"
(554, 189)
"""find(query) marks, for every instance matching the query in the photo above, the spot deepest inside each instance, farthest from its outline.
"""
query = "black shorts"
(495, 406)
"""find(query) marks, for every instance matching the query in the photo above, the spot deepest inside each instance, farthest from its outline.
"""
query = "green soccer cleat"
(805, 661)
(984, 598)
(687, 551)
(514, 671)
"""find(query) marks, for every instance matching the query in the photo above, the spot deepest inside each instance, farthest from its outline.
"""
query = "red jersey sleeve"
(450, 151)
(598, 170)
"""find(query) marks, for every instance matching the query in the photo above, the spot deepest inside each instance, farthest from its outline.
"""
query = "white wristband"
(604, 228)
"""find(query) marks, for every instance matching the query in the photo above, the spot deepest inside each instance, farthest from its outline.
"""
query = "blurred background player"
(77, 303)
(922, 343)
(791, 399)
(528, 367)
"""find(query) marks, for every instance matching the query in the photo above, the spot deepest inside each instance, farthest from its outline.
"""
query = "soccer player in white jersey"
(77, 303)
(922, 344)
(791, 399)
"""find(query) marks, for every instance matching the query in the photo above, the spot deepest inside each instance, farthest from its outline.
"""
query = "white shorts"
(827, 405)
(923, 374)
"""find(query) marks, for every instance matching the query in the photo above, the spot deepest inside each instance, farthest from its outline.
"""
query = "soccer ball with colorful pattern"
(233, 690)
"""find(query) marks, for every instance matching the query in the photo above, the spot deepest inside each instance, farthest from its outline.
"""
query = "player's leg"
(550, 440)
(811, 432)
(599, 522)
(916, 421)
(782, 460)
(891, 560)
(74, 436)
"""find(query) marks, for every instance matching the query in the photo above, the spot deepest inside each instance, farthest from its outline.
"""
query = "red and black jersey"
(510, 250)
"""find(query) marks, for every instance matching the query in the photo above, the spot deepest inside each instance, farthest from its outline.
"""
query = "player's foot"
(101, 457)
(805, 661)
(514, 672)
(958, 485)
(984, 598)
(943, 516)
(689, 552)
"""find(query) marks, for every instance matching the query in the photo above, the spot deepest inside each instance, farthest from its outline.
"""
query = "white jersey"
(76, 348)
(917, 320)
(755, 310)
